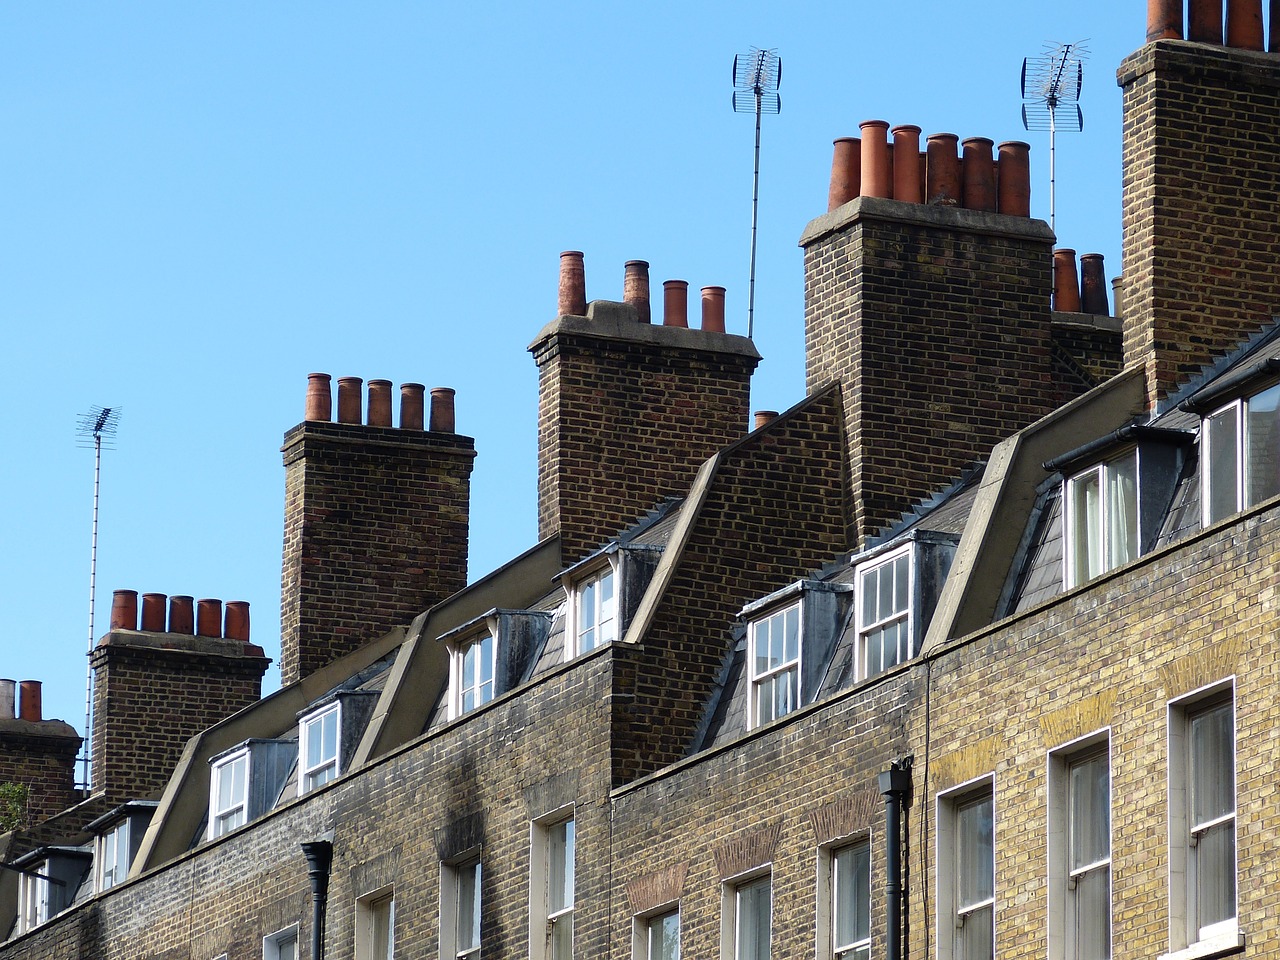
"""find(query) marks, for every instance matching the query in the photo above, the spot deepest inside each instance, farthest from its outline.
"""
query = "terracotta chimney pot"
(379, 403)
(1273, 18)
(1014, 184)
(208, 618)
(713, 309)
(942, 170)
(1066, 287)
(411, 405)
(846, 172)
(182, 615)
(153, 609)
(349, 399)
(319, 397)
(979, 181)
(1204, 23)
(1244, 24)
(442, 409)
(675, 303)
(1093, 285)
(31, 708)
(8, 699)
(124, 610)
(1117, 297)
(1164, 20)
(765, 417)
(236, 621)
(877, 175)
(635, 288)
(906, 163)
(573, 284)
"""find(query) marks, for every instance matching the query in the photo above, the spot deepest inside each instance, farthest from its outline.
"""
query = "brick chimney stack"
(156, 687)
(40, 754)
(628, 410)
(934, 317)
(1201, 124)
(376, 518)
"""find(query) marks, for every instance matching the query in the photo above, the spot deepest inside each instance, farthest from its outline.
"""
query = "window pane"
(1216, 873)
(664, 937)
(1212, 765)
(1090, 812)
(468, 907)
(560, 938)
(1220, 468)
(884, 600)
(560, 866)
(1122, 510)
(764, 702)
(1092, 921)
(869, 581)
(753, 908)
(1262, 447)
(976, 853)
(486, 660)
(975, 938)
(1086, 527)
(851, 895)
(791, 627)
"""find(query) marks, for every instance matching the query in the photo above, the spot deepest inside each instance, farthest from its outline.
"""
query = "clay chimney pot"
(1093, 285)
(236, 621)
(8, 699)
(1204, 23)
(846, 172)
(411, 405)
(1244, 24)
(124, 610)
(1066, 286)
(1164, 20)
(942, 169)
(675, 303)
(635, 288)
(208, 618)
(31, 708)
(765, 417)
(379, 403)
(979, 181)
(153, 609)
(442, 409)
(573, 284)
(182, 615)
(906, 163)
(319, 397)
(877, 175)
(1014, 182)
(713, 309)
(349, 399)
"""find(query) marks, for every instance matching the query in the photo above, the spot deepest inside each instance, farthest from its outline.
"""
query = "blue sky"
(202, 203)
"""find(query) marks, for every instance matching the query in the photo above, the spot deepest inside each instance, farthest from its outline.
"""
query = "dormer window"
(1101, 518)
(112, 857)
(318, 747)
(229, 794)
(775, 665)
(884, 613)
(474, 672)
(34, 904)
(117, 836)
(1240, 455)
(595, 620)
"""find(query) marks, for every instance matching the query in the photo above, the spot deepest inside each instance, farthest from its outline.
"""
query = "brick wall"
(936, 323)
(627, 412)
(774, 513)
(375, 531)
(1200, 204)
(152, 692)
(42, 755)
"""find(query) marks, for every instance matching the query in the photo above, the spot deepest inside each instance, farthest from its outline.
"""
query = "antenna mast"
(1050, 82)
(757, 75)
(97, 425)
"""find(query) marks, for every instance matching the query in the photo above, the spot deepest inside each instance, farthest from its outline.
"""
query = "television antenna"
(96, 429)
(757, 74)
(1051, 93)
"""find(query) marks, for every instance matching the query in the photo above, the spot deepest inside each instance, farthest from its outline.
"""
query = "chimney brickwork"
(1201, 124)
(936, 322)
(627, 412)
(375, 531)
(152, 692)
(36, 753)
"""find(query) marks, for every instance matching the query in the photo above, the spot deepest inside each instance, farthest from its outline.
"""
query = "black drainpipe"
(319, 854)
(895, 787)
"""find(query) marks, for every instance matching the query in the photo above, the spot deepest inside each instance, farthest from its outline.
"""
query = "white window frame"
(862, 666)
(1187, 935)
(642, 931)
(111, 856)
(34, 907)
(376, 924)
(484, 690)
(828, 901)
(545, 910)
(272, 943)
(1061, 878)
(949, 805)
(1109, 555)
(604, 614)
(219, 817)
(731, 896)
(775, 672)
(313, 776)
(1243, 439)
(452, 874)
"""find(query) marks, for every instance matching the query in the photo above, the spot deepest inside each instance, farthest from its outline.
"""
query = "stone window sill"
(1223, 945)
